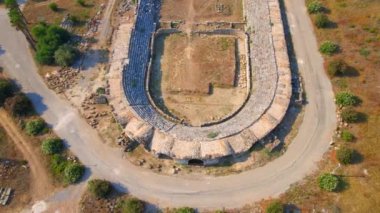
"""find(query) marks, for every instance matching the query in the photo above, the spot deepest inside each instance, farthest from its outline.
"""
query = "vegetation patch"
(99, 188)
(329, 182)
(35, 127)
(131, 205)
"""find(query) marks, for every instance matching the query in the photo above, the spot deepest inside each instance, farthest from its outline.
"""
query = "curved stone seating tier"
(263, 111)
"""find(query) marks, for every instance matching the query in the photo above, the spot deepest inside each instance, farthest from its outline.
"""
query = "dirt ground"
(14, 174)
(199, 85)
(204, 10)
(38, 178)
(37, 11)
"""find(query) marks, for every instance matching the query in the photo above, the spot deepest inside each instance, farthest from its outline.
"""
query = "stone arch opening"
(195, 162)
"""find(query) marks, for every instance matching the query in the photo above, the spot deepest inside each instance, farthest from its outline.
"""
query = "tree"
(73, 172)
(52, 146)
(6, 90)
(49, 39)
(321, 20)
(35, 127)
(329, 182)
(19, 105)
(347, 136)
(345, 155)
(274, 207)
(131, 205)
(346, 99)
(65, 55)
(18, 20)
(185, 210)
(329, 48)
(338, 68)
(315, 7)
(99, 188)
(53, 6)
(349, 115)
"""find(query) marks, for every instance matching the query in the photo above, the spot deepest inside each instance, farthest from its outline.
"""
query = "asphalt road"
(274, 178)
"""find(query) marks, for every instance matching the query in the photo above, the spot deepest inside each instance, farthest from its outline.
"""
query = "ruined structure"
(268, 80)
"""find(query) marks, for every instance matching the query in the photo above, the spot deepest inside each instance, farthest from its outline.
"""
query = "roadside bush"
(65, 55)
(58, 163)
(49, 39)
(185, 210)
(346, 99)
(321, 20)
(315, 7)
(131, 205)
(52, 146)
(99, 188)
(274, 207)
(81, 2)
(19, 105)
(329, 48)
(345, 155)
(338, 68)
(53, 6)
(350, 116)
(347, 136)
(35, 127)
(73, 172)
(6, 90)
(329, 182)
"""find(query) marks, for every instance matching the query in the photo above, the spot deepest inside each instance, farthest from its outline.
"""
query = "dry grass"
(357, 31)
(13, 174)
(37, 11)
(203, 10)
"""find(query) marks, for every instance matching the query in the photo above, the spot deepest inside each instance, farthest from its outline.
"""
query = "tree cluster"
(49, 39)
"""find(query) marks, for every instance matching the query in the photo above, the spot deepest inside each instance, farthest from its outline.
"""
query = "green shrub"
(315, 7)
(345, 155)
(19, 105)
(52, 146)
(329, 182)
(65, 55)
(185, 210)
(274, 207)
(49, 39)
(35, 127)
(53, 6)
(101, 91)
(73, 172)
(329, 48)
(346, 99)
(347, 136)
(131, 205)
(350, 116)
(58, 164)
(321, 20)
(81, 2)
(6, 90)
(99, 188)
(338, 68)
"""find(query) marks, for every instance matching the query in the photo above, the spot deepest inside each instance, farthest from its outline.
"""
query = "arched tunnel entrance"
(195, 162)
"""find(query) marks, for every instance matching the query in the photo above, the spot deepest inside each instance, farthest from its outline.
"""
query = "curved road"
(205, 192)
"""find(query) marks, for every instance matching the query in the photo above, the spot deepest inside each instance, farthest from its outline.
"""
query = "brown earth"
(37, 11)
(193, 78)
(40, 182)
(191, 65)
(355, 25)
(204, 10)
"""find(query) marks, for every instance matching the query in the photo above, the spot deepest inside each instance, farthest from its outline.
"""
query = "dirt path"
(41, 185)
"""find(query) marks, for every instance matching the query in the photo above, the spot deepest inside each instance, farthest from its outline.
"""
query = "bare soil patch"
(202, 10)
(194, 77)
(37, 11)
(14, 173)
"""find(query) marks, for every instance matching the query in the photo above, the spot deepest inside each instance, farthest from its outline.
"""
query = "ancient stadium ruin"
(251, 69)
